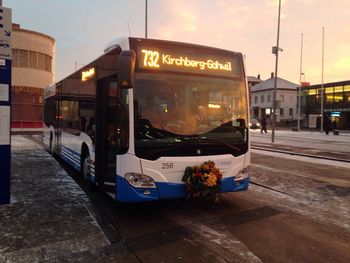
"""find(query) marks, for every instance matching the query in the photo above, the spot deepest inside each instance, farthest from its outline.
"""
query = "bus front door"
(106, 133)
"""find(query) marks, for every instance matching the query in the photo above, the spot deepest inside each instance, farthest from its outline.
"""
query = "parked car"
(254, 123)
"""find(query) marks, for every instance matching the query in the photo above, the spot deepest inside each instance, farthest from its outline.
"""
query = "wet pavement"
(48, 219)
(295, 212)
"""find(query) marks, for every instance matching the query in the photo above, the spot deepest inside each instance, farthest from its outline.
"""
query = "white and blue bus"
(132, 120)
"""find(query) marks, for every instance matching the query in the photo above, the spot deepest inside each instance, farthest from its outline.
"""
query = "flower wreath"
(203, 181)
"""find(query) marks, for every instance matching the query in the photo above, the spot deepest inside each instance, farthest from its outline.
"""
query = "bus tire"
(85, 167)
(51, 141)
(85, 171)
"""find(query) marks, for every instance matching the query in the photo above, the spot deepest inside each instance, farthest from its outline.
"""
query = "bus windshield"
(183, 115)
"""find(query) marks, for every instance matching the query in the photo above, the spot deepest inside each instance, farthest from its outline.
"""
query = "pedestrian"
(263, 125)
(334, 125)
(327, 125)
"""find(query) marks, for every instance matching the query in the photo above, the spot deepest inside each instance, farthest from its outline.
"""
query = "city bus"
(132, 120)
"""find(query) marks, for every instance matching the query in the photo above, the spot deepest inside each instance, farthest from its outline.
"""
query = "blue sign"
(5, 104)
(5, 133)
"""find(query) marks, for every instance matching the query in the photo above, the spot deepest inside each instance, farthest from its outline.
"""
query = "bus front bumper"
(127, 193)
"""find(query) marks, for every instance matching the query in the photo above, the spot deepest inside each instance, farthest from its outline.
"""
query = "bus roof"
(123, 43)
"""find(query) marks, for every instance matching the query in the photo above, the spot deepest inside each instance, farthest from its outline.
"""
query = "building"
(33, 57)
(286, 98)
(252, 81)
(336, 104)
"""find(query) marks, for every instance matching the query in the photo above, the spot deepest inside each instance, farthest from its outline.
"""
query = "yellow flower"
(210, 179)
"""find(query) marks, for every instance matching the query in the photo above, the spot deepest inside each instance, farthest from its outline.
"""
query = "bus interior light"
(214, 106)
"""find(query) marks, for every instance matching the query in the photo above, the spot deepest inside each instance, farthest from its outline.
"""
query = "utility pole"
(301, 73)
(275, 51)
(146, 14)
(322, 89)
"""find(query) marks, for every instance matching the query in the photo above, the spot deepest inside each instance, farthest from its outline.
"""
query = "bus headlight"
(242, 174)
(140, 180)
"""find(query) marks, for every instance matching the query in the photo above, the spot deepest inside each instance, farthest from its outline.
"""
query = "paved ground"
(47, 220)
(311, 139)
(304, 219)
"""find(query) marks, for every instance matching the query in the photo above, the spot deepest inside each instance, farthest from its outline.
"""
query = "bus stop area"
(48, 219)
(51, 219)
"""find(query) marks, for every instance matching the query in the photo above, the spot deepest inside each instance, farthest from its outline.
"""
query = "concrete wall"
(32, 41)
(33, 67)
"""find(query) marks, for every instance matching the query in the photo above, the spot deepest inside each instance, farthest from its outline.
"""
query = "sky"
(82, 29)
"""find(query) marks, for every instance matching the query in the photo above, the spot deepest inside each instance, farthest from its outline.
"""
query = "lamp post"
(275, 51)
(322, 89)
(146, 14)
(299, 90)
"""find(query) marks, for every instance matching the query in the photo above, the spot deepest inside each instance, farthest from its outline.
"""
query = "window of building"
(281, 111)
(291, 112)
(48, 62)
(256, 99)
(312, 92)
(338, 97)
(31, 59)
(338, 89)
(329, 90)
(23, 59)
(41, 61)
(15, 57)
(269, 98)
(347, 93)
(262, 98)
(329, 98)
(282, 98)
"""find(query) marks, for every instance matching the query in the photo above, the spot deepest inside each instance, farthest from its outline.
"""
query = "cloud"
(82, 29)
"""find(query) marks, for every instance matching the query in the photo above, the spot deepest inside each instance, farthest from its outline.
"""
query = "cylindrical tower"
(33, 56)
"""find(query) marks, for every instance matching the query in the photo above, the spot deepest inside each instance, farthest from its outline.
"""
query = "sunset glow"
(249, 27)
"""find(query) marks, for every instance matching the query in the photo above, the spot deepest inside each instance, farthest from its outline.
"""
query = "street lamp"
(299, 90)
(322, 89)
(275, 50)
(146, 14)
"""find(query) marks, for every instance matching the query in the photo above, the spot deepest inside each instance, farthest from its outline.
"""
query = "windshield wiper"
(172, 147)
(225, 143)
(194, 141)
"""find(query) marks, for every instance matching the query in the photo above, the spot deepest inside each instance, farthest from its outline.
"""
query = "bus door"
(106, 133)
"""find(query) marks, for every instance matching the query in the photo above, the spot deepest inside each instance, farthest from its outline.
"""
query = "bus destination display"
(175, 60)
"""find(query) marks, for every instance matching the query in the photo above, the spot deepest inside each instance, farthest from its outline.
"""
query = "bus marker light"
(243, 174)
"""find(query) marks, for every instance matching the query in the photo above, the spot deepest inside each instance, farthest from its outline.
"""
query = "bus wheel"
(51, 140)
(85, 168)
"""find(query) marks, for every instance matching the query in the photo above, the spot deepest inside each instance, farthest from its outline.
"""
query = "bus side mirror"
(126, 69)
